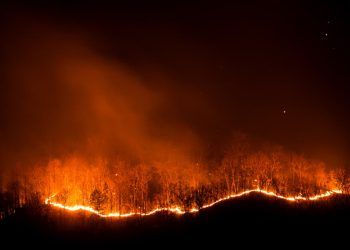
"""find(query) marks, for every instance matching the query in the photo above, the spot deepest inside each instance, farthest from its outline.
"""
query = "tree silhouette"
(98, 200)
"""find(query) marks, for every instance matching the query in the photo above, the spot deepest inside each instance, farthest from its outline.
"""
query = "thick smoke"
(63, 98)
(153, 91)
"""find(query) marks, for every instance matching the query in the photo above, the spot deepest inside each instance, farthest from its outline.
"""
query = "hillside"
(252, 216)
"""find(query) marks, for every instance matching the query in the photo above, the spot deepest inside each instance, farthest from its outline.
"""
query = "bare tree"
(342, 179)
(200, 196)
(98, 200)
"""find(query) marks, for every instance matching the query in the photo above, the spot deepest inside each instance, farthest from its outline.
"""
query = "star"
(324, 35)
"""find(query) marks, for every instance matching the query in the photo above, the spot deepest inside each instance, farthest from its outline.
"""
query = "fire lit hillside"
(140, 121)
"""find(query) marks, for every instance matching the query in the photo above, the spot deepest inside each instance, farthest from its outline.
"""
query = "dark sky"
(182, 77)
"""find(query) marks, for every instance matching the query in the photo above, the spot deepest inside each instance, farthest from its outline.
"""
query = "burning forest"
(185, 118)
(121, 188)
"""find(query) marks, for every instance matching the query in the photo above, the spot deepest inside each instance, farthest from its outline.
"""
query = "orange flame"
(179, 210)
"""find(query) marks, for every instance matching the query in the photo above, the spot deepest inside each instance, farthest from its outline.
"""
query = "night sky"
(137, 77)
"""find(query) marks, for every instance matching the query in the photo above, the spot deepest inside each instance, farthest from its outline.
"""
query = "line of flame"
(178, 210)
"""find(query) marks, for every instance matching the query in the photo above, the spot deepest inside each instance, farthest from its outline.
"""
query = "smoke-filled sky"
(151, 80)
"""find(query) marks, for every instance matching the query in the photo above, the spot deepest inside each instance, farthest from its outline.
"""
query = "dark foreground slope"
(254, 219)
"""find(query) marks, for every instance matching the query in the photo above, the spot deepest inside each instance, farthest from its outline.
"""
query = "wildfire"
(179, 210)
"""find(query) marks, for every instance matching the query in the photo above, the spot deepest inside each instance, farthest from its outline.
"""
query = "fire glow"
(178, 210)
